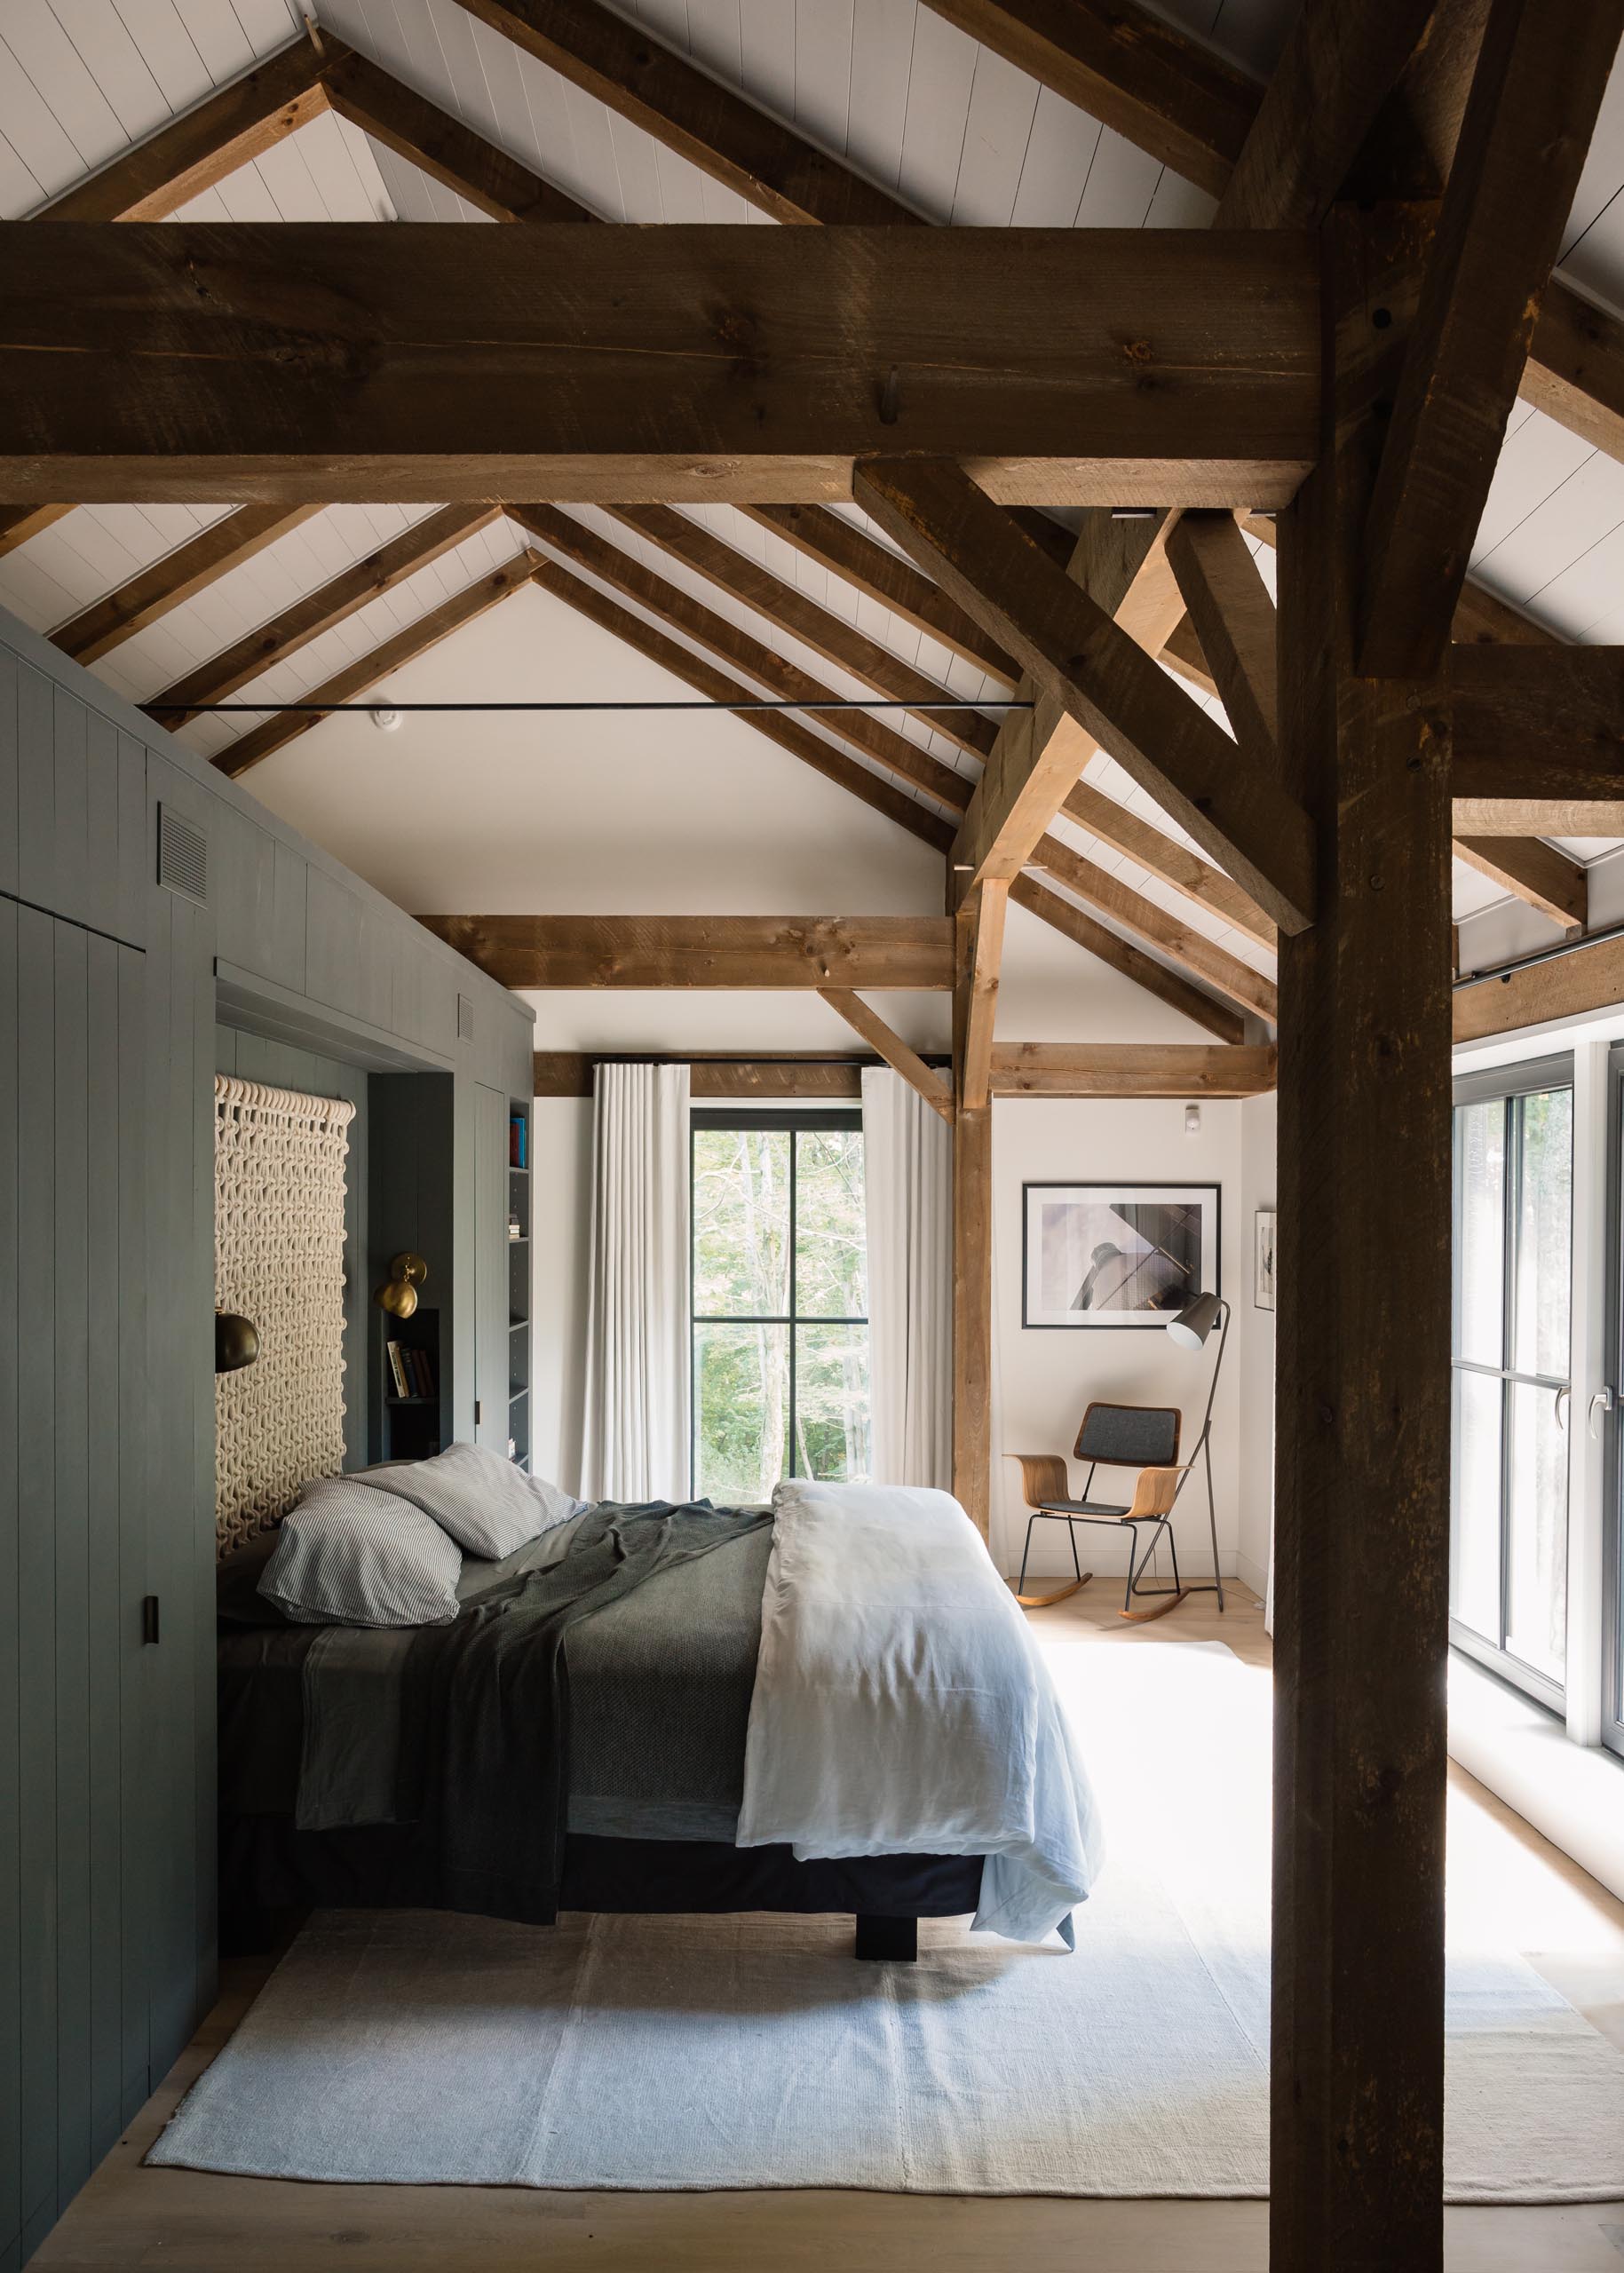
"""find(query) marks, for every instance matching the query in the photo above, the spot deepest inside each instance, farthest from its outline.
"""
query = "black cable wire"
(327, 709)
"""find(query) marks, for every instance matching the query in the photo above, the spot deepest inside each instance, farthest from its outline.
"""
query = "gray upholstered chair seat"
(1106, 1507)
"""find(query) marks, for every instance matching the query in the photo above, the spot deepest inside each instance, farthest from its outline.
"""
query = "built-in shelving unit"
(412, 1423)
(518, 1282)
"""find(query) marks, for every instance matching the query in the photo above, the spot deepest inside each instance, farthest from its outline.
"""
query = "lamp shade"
(1193, 1323)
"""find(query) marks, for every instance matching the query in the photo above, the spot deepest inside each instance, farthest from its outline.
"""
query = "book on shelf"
(518, 1142)
(423, 1366)
(396, 1367)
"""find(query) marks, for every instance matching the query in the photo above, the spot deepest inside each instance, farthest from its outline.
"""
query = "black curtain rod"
(401, 710)
(730, 1058)
(1505, 973)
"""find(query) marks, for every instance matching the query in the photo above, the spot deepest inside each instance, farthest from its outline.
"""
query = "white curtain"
(635, 1441)
(907, 1167)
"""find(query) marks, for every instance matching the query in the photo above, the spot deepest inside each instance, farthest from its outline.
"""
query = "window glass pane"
(831, 1242)
(1480, 1225)
(1474, 1576)
(740, 1223)
(1536, 1609)
(831, 1402)
(1544, 1217)
(740, 1411)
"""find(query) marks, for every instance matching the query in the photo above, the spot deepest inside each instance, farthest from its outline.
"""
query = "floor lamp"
(1190, 1330)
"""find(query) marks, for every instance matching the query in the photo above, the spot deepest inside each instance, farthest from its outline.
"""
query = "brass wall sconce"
(398, 1297)
(236, 1342)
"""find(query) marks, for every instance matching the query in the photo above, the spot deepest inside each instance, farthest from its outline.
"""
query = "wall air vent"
(464, 1019)
(183, 857)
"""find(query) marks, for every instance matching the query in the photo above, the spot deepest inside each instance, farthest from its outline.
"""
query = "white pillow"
(486, 1504)
(350, 1555)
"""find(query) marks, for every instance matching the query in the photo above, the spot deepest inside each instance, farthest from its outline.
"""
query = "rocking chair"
(1143, 1437)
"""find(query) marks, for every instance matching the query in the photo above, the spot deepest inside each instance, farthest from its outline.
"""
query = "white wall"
(560, 1217)
(1042, 1379)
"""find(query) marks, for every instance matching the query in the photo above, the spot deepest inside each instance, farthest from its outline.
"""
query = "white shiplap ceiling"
(906, 98)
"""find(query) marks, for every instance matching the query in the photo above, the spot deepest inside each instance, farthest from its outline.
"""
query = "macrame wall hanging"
(279, 1186)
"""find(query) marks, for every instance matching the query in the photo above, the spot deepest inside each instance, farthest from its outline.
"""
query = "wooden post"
(972, 1251)
(1362, 1502)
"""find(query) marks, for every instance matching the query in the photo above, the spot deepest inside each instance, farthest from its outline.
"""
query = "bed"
(334, 1741)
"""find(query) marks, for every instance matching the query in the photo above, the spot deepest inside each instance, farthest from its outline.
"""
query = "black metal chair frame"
(1138, 1563)
(1160, 1520)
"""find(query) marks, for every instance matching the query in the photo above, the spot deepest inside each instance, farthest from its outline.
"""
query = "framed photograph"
(1123, 1254)
(1263, 1281)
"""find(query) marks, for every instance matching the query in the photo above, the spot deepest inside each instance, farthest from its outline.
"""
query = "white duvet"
(901, 1707)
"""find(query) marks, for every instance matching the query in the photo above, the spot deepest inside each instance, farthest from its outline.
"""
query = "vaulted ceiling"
(191, 604)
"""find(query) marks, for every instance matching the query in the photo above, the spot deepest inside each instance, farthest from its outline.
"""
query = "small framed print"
(1263, 1279)
(1116, 1255)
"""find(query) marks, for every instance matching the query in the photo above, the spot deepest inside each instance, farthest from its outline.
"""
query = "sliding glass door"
(1513, 1272)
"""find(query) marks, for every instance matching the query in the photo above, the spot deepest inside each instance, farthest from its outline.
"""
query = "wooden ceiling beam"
(1533, 871)
(714, 363)
(1148, 82)
(251, 750)
(737, 650)
(892, 953)
(1132, 1069)
(1091, 668)
(1589, 978)
(1232, 615)
(1120, 954)
(875, 570)
(198, 149)
(1165, 857)
(890, 1045)
(156, 177)
(1335, 73)
(342, 597)
(713, 126)
(151, 593)
(978, 964)
(1166, 94)
(1533, 724)
(1537, 88)
(876, 790)
(568, 1074)
(792, 612)
(1224, 973)
(439, 144)
(1575, 367)
(1038, 758)
(882, 796)
(1536, 816)
(18, 523)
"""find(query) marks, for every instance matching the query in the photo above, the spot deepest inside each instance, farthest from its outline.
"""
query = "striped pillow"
(349, 1554)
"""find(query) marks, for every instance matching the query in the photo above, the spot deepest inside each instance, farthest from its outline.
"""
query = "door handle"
(1564, 1391)
(1603, 1398)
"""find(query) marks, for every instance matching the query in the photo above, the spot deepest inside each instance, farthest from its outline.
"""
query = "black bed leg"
(896, 1938)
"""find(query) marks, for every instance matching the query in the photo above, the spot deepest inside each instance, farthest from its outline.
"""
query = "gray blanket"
(661, 1684)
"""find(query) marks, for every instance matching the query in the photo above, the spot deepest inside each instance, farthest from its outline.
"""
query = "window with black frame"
(780, 1300)
(1513, 1278)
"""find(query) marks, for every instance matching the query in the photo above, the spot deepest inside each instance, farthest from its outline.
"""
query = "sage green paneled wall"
(109, 1038)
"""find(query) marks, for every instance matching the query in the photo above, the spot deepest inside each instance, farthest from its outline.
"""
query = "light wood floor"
(128, 2217)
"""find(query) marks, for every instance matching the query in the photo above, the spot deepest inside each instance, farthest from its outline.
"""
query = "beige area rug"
(658, 2053)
